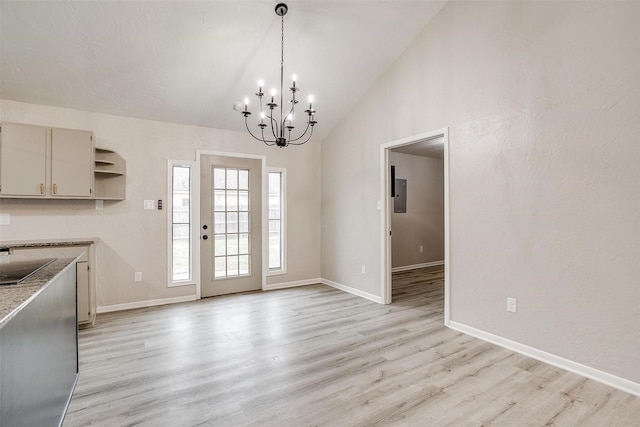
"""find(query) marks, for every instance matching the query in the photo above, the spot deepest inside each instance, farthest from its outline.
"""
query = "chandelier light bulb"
(310, 99)
(273, 91)
(260, 83)
(294, 78)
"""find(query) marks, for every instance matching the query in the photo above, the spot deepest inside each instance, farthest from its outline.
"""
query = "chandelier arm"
(306, 140)
(266, 141)
(274, 130)
(246, 123)
(303, 133)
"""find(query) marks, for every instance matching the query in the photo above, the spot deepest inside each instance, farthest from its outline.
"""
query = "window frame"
(169, 207)
(283, 221)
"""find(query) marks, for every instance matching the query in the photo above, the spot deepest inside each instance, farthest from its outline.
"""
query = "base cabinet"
(39, 353)
(85, 277)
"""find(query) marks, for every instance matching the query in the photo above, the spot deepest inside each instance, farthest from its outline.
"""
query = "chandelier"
(281, 128)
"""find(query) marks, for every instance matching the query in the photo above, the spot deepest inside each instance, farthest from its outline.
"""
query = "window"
(231, 225)
(181, 247)
(276, 221)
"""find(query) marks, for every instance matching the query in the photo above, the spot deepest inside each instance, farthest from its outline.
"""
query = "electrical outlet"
(364, 269)
(137, 277)
(149, 204)
(5, 219)
(99, 205)
(512, 305)
(421, 248)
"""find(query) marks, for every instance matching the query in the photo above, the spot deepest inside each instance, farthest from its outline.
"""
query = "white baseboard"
(143, 304)
(353, 291)
(296, 283)
(414, 266)
(560, 362)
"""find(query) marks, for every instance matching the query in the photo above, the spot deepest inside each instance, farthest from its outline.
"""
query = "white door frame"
(385, 215)
(195, 232)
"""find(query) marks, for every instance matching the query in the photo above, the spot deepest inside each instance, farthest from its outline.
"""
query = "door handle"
(41, 188)
(205, 237)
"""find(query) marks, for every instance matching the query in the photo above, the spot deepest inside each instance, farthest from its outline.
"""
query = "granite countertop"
(14, 297)
(44, 243)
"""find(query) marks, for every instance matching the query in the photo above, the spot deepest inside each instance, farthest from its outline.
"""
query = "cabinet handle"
(55, 188)
(41, 188)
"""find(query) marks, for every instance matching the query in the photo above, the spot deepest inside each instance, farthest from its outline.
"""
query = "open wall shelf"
(109, 175)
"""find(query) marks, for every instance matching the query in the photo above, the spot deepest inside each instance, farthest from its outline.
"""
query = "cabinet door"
(23, 151)
(71, 163)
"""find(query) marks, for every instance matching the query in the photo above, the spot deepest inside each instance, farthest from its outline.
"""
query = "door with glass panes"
(230, 229)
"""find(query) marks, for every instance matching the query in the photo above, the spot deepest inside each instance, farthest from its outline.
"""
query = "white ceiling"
(190, 61)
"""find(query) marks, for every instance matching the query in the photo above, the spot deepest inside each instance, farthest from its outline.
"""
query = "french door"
(230, 229)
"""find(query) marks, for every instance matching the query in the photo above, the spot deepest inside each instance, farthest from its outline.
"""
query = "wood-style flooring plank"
(316, 356)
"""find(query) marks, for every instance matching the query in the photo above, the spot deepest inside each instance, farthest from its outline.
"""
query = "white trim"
(560, 362)
(385, 216)
(353, 291)
(283, 220)
(415, 266)
(144, 304)
(294, 284)
(169, 208)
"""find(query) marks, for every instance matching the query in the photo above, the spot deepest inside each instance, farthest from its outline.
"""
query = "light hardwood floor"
(316, 356)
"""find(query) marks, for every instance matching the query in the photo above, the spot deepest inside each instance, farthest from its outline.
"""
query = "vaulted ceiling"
(190, 61)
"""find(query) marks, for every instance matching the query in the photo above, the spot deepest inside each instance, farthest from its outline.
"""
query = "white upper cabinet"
(71, 163)
(41, 162)
(23, 155)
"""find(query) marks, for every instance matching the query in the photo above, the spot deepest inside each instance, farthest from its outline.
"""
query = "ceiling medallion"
(281, 128)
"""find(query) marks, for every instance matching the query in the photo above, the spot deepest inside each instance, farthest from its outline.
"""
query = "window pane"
(274, 183)
(219, 200)
(218, 177)
(232, 222)
(274, 226)
(181, 252)
(244, 264)
(232, 200)
(274, 251)
(274, 206)
(232, 266)
(181, 179)
(243, 200)
(243, 244)
(218, 222)
(220, 245)
(243, 179)
(232, 178)
(243, 222)
(220, 266)
(232, 244)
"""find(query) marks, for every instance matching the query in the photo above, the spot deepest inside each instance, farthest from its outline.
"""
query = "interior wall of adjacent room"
(423, 223)
(543, 123)
(134, 239)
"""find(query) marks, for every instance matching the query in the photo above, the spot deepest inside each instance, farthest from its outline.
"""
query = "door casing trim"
(385, 216)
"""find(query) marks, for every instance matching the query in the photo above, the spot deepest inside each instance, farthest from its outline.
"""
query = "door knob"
(204, 227)
(205, 237)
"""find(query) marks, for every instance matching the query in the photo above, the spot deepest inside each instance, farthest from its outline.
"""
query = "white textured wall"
(423, 223)
(543, 104)
(133, 239)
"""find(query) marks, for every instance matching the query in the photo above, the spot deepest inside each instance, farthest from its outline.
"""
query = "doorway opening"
(408, 151)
